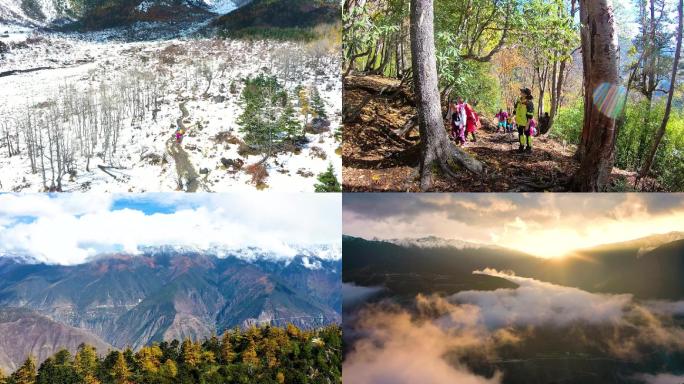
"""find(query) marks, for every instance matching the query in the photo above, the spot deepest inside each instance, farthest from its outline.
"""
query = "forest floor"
(375, 158)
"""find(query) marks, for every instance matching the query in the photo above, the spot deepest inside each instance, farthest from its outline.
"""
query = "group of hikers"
(463, 120)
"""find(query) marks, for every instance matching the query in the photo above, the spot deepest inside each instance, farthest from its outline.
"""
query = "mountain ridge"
(604, 269)
(25, 332)
(138, 299)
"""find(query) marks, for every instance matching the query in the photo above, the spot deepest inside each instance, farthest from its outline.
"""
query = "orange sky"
(545, 225)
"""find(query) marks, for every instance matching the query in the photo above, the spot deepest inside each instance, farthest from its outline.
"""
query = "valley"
(496, 315)
(97, 108)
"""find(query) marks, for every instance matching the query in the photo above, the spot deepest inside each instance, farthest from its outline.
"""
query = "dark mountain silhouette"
(279, 14)
(649, 268)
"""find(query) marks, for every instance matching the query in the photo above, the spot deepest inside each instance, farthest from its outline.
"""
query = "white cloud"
(397, 350)
(353, 294)
(539, 303)
(67, 229)
(666, 307)
(661, 378)
(44, 205)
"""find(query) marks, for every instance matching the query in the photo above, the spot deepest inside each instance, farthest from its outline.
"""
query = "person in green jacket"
(524, 111)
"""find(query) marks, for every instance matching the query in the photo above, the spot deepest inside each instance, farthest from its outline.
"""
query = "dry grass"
(258, 173)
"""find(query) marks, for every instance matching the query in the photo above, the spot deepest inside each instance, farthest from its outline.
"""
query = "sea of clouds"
(427, 343)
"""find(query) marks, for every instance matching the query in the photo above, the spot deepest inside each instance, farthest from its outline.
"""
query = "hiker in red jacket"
(471, 121)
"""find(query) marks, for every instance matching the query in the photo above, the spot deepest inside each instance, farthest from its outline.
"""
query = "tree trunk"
(596, 151)
(436, 148)
(663, 125)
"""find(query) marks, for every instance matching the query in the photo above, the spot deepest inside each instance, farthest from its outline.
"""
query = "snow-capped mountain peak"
(435, 242)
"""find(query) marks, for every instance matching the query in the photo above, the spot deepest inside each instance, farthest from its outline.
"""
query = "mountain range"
(409, 266)
(230, 16)
(164, 293)
(282, 14)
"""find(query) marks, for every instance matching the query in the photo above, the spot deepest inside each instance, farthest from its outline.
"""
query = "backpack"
(532, 126)
(456, 116)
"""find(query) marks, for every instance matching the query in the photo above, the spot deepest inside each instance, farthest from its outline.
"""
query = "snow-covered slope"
(221, 6)
(35, 12)
(287, 252)
(47, 12)
(204, 75)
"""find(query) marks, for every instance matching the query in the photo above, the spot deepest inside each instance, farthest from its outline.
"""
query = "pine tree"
(317, 104)
(191, 353)
(58, 369)
(169, 369)
(120, 372)
(227, 352)
(150, 358)
(26, 374)
(86, 364)
(259, 121)
(327, 181)
(338, 133)
(288, 122)
(249, 356)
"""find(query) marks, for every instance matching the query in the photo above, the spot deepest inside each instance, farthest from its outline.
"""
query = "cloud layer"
(539, 303)
(353, 295)
(558, 223)
(67, 229)
(431, 341)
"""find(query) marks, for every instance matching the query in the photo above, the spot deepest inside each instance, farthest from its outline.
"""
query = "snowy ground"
(78, 64)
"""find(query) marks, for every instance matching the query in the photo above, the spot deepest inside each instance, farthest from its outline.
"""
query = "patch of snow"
(144, 6)
(314, 264)
(435, 242)
(221, 6)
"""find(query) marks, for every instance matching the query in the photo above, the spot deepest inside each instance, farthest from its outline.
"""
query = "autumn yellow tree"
(150, 358)
(250, 357)
(26, 374)
(191, 353)
(227, 352)
(169, 369)
(120, 372)
(86, 363)
(304, 104)
(507, 62)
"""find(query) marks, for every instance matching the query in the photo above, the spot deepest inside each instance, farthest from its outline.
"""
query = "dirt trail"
(374, 158)
(184, 167)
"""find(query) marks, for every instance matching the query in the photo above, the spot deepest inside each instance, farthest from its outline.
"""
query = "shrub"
(258, 173)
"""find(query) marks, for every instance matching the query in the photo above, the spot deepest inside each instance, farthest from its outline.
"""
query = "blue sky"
(70, 228)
